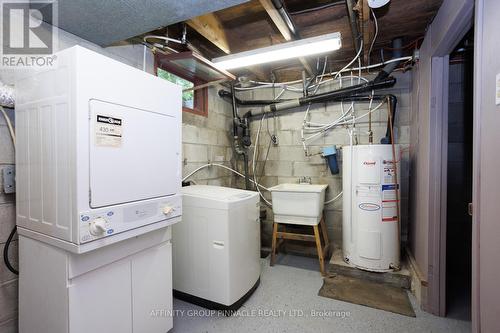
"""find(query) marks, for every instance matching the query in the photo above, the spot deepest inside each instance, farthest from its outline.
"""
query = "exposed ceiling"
(110, 21)
(248, 26)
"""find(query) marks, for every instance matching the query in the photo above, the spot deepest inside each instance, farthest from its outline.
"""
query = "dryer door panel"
(131, 158)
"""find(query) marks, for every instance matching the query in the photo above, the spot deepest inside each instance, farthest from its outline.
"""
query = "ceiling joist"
(283, 28)
(366, 29)
(277, 19)
(210, 27)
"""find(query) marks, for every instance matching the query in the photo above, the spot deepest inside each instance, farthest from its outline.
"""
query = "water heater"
(370, 207)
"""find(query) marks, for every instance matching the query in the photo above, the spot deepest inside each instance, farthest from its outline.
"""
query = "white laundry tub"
(298, 203)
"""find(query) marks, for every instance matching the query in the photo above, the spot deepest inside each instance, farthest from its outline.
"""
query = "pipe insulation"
(7, 97)
(347, 93)
(328, 96)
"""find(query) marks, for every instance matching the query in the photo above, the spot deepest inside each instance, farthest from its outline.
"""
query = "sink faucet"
(305, 180)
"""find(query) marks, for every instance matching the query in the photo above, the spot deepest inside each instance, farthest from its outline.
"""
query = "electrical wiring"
(375, 36)
(256, 148)
(334, 198)
(413, 43)
(352, 61)
(338, 75)
(13, 232)
(342, 121)
(254, 160)
(309, 10)
(9, 125)
(306, 115)
(287, 85)
(167, 39)
(254, 180)
(219, 166)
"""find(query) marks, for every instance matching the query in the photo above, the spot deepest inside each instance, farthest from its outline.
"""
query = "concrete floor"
(291, 287)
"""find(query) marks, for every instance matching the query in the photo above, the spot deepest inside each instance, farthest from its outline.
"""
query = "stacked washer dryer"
(98, 163)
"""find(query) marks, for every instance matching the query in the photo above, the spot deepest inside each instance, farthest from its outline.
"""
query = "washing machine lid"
(217, 193)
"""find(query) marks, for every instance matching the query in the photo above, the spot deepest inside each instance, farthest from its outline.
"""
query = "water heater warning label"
(108, 131)
(389, 203)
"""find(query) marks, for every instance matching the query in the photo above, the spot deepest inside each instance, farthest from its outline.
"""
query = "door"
(133, 154)
(152, 290)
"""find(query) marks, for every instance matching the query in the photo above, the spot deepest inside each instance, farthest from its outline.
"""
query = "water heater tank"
(370, 207)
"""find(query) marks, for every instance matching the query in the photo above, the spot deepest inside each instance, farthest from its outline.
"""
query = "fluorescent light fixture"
(289, 50)
(377, 3)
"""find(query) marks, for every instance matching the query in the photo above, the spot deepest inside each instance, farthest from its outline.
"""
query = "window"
(193, 101)
(187, 96)
(189, 69)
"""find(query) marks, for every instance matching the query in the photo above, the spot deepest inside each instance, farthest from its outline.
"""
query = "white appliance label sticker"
(108, 131)
(389, 211)
(497, 95)
(389, 203)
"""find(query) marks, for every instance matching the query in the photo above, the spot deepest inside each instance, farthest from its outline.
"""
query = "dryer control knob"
(167, 210)
(98, 226)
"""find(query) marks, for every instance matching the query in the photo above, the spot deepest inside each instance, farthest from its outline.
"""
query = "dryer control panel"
(105, 222)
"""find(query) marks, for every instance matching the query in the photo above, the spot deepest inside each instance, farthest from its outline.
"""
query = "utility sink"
(298, 203)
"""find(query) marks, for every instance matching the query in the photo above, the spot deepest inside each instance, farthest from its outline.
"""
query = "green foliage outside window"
(187, 96)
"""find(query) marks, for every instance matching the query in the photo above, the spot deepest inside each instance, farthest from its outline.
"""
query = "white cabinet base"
(118, 288)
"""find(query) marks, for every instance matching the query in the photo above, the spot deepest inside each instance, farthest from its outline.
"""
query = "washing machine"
(98, 161)
(216, 247)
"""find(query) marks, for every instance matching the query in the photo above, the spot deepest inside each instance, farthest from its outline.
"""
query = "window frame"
(200, 98)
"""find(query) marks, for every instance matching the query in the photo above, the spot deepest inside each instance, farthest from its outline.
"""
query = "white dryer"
(216, 247)
(98, 160)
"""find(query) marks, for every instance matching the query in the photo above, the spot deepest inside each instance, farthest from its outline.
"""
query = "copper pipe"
(395, 164)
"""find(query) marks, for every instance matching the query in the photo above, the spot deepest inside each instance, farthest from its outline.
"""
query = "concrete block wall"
(287, 162)
(208, 139)
(8, 281)
(204, 139)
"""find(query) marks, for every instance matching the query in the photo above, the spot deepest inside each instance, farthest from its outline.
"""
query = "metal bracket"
(9, 179)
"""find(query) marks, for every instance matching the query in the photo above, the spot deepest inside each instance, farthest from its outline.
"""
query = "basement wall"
(204, 139)
(287, 161)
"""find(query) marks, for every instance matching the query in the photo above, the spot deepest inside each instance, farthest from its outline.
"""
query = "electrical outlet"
(274, 139)
(9, 179)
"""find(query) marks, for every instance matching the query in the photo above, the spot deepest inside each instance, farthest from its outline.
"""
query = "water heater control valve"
(97, 227)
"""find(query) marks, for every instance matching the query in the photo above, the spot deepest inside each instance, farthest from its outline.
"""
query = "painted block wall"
(204, 139)
(287, 162)
(208, 139)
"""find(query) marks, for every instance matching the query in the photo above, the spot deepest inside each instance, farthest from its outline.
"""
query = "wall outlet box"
(9, 179)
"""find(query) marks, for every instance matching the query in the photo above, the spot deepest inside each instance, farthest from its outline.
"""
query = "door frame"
(476, 164)
(450, 36)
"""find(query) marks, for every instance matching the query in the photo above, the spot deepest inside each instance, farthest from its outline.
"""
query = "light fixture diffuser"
(289, 50)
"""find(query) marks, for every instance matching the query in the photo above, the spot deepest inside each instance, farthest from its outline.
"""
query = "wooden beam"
(366, 28)
(210, 27)
(283, 28)
(277, 19)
